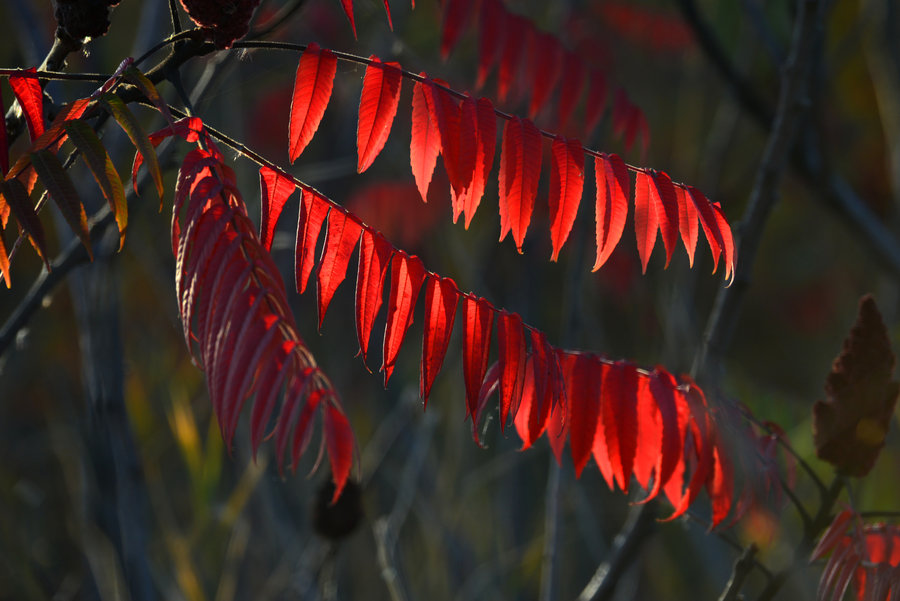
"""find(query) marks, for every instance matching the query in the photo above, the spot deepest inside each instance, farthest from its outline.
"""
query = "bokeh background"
(107, 434)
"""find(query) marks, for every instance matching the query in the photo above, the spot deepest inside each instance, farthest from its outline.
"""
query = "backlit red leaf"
(425, 144)
(584, 407)
(566, 186)
(340, 240)
(646, 218)
(619, 418)
(727, 241)
(488, 388)
(612, 204)
(458, 140)
(520, 169)
(348, 10)
(377, 108)
(688, 223)
(441, 298)
(31, 99)
(478, 320)
(407, 275)
(527, 407)
(312, 90)
(709, 222)
(4, 146)
(374, 254)
(485, 124)
(16, 198)
(274, 188)
(511, 357)
(387, 11)
(662, 388)
(561, 414)
(339, 440)
(665, 203)
(313, 211)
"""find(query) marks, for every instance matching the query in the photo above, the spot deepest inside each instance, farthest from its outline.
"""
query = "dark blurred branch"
(743, 565)
(793, 106)
(640, 525)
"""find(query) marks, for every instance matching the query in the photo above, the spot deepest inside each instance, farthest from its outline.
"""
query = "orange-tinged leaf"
(347, 5)
(611, 209)
(377, 108)
(520, 170)
(339, 440)
(665, 203)
(13, 192)
(4, 260)
(646, 218)
(101, 167)
(584, 407)
(407, 275)
(340, 240)
(688, 222)
(619, 417)
(27, 90)
(274, 188)
(511, 357)
(478, 320)
(313, 211)
(132, 128)
(425, 142)
(61, 189)
(571, 87)
(441, 299)
(53, 138)
(490, 38)
(312, 91)
(374, 255)
(4, 146)
(485, 123)
(566, 186)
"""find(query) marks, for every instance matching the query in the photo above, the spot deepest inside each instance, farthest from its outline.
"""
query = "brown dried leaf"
(850, 425)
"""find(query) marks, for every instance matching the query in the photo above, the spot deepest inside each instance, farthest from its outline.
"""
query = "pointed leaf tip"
(312, 91)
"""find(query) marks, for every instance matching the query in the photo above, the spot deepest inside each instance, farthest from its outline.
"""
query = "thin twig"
(743, 565)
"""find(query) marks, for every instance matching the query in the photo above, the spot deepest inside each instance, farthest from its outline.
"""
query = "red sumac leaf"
(312, 90)
(727, 242)
(488, 388)
(662, 388)
(546, 56)
(559, 423)
(441, 299)
(28, 92)
(528, 405)
(458, 143)
(612, 204)
(584, 407)
(274, 188)
(407, 275)
(688, 223)
(4, 147)
(480, 115)
(520, 170)
(374, 254)
(490, 40)
(347, 5)
(619, 417)
(665, 203)
(478, 320)
(596, 102)
(339, 440)
(377, 108)
(646, 218)
(511, 357)
(721, 486)
(566, 186)
(832, 535)
(511, 54)
(17, 199)
(708, 222)
(454, 16)
(425, 143)
(340, 240)
(387, 11)
(571, 86)
(313, 211)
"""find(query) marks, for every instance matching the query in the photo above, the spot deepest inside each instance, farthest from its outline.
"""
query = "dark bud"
(82, 19)
(338, 520)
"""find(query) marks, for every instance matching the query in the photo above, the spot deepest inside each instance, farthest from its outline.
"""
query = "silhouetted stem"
(743, 565)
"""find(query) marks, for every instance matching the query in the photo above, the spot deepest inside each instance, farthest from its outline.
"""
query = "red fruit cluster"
(224, 20)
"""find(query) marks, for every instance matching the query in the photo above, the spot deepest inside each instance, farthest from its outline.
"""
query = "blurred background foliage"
(446, 519)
